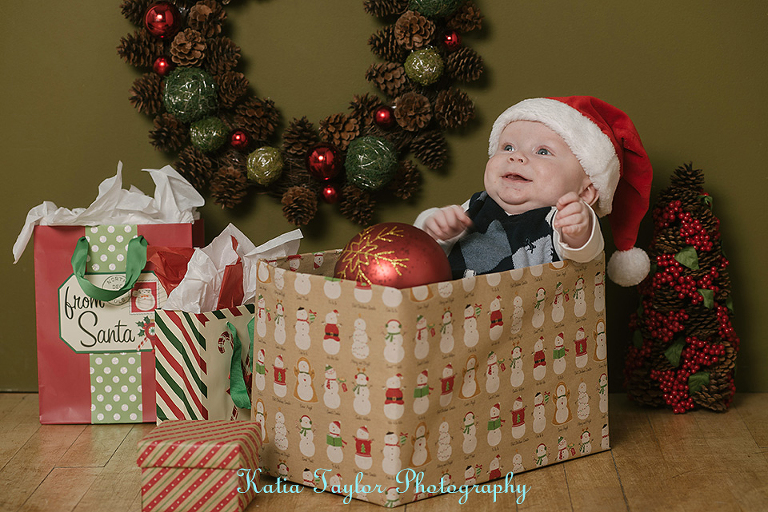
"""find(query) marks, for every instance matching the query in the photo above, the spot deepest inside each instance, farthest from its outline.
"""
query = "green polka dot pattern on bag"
(108, 247)
(116, 388)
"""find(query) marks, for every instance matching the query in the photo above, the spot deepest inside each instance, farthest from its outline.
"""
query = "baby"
(554, 167)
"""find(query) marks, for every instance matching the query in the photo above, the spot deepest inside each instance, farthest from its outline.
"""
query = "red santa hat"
(608, 147)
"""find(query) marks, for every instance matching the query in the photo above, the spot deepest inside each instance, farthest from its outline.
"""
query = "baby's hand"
(447, 222)
(573, 220)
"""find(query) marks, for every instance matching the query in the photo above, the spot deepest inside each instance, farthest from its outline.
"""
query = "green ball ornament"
(435, 8)
(424, 66)
(371, 162)
(190, 94)
(208, 134)
(265, 165)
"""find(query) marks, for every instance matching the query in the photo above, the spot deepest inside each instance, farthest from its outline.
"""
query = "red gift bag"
(95, 330)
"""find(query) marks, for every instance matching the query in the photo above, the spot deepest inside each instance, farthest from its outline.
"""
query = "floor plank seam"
(567, 487)
(36, 488)
(621, 484)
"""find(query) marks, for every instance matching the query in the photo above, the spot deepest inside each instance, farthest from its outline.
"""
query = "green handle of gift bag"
(135, 261)
(237, 389)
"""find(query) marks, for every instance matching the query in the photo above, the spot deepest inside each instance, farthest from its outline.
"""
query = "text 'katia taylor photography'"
(408, 478)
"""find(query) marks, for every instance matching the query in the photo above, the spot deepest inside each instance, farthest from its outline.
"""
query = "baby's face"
(532, 168)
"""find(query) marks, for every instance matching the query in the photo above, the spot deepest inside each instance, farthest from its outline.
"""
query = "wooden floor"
(699, 461)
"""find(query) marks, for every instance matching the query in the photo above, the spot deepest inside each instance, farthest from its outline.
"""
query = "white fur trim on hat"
(589, 144)
(629, 268)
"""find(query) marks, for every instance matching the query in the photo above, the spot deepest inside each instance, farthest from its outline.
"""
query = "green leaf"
(688, 257)
(697, 381)
(707, 200)
(729, 303)
(674, 351)
(709, 297)
(637, 339)
(654, 268)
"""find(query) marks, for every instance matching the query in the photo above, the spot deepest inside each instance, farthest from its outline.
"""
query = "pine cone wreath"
(382, 8)
(146, 94)
(232, 86)
(188, 48)
(299, 137)
(206, 17)
(140, 49)
(466, 18)
(169, 134)
(195, 166)
(407, 180)
(413, 31)
(134, 10)
(234, 158)
(431, 149)
(413, 111)
(228, 187)
(389, 77)
(222, 55)
(299, 205)
(363, 108)
(384, 45)
(258, 117)
(339, 130)
(465, 65)
(453, 108)
(357, 205)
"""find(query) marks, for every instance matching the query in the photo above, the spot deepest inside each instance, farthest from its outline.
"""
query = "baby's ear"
(589, 195)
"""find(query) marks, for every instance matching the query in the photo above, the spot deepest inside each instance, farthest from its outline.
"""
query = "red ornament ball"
(393, 254)
(331, 194)
(162, 20)
(239, 139)
(324, 161)
(163, 66)
(452, 40)
(384, 117)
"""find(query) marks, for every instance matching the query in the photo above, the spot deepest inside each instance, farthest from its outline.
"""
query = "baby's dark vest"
(498, 241)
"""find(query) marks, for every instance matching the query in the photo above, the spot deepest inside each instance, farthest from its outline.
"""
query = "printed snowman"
(445, 480)
(540, 457)
(539, 414)
(517, 463)
(599, 291)
(471, 473)
(602, 391)
(304, 317)
(600, 342)
(421, 393)
(517, 314)
(391, 297)
(393, 398)
(332, 288)
(579, 298)
(331, 340)
(446, 385)
(294, 262)
(282, 470)
(469, 387)
(518, 418)
(279, 376)
(390, 461)
(494, 468)
(444, 449)
(262, 315)
(281, 432)
(362, 402)
(581, 348)
(335, 443)
(363, 457)
(307, 436)
(360, 340)
(444, 289)
(279, 323)
(308, 478)
(582, 409)
(471, 334)
(363, 292)
(420, 439)
(558, 355)
(562, 409)
(393, 342)
(516, 375)
(469, 430)
(279, 278)
(331, 397)
(539, 360)
(497, 322)
(421, 347)
(260, 370)
(558, 305)
(605, 441)
(446, 332)
(302, 284)
(562, 449)
(494, 425)
(260, 418)
(492, 373)
(538, 308)
(585, 443)
(304, 373)
(391, 498)
(317, 260)
(334, 483)
(143, 300)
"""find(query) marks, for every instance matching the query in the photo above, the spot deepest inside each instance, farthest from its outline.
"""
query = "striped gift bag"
(199, 466)
(203, 364)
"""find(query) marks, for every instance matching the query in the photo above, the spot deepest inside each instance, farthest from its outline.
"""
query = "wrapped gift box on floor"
(192, 465)
(463, 381)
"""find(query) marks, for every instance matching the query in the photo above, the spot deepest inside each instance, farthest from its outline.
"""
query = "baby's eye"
(509, 147)
(543, 151)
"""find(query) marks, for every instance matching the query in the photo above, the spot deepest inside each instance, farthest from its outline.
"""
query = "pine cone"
(206, 17)
(299, 205)
(222, 55)
(389, 77)
(407, 181)
(464, 64)
(146, 94)
(413, 31)
(134, 10)
(232, 86)
(229, 187)
(413, 111)
(169, 134)
(188, 48)
(431, 149)
(453, 108)
(466, 18)
(235, 159)
(357, 205)
(140, 49)
(384, 45)
(195, 166)
(299, 137)
(686, 176)
(258, 117)
(339, 130)
(363, 107)
(382, 8)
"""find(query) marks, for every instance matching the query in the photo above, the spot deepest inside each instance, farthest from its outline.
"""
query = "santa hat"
(608, 147)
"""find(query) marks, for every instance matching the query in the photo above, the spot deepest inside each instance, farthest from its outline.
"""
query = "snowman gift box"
(463, 381)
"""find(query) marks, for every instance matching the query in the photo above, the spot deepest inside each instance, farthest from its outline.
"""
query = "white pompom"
(629, 268)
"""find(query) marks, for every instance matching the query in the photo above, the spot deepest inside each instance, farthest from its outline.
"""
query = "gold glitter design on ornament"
(363, 252)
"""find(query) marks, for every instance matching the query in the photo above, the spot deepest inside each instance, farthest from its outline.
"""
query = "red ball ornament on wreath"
(239, 139)
(331, 194)
(452, 40)
(384, 117)
(393, 254)
(324, 161)
(162, 20)
(163, 66)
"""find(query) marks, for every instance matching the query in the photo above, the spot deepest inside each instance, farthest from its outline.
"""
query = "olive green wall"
(691, 74)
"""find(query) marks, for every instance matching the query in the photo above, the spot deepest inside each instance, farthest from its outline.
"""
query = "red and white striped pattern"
(188, 490)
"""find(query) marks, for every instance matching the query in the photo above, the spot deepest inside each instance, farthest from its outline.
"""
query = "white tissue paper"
(198, 291)
(175, 202)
